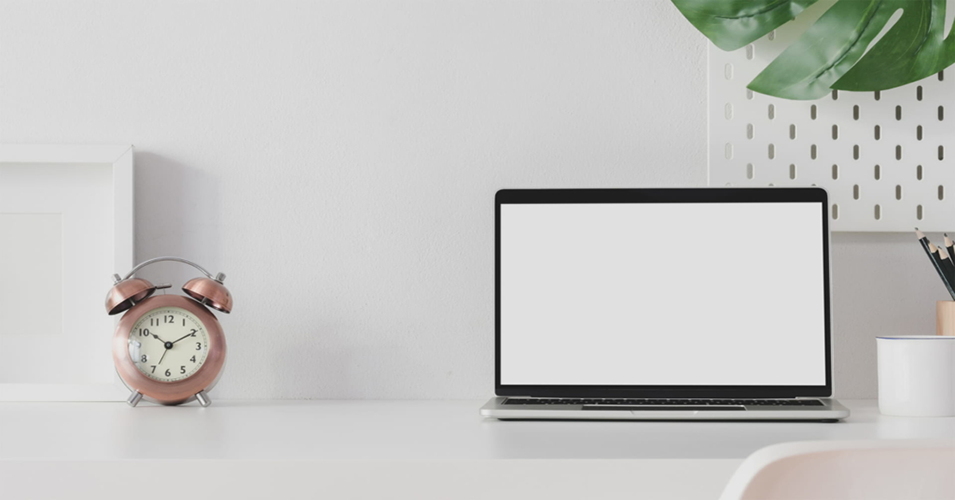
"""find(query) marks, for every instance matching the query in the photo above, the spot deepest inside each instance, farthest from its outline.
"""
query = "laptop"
(663, 304)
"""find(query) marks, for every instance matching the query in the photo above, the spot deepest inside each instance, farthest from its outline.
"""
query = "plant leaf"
(911, 50)
(731, 24)
(827, 50)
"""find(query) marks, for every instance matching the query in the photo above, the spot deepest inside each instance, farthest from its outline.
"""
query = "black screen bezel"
(661, 195)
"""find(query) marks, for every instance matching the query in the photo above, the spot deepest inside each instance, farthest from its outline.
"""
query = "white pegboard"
(882, 156)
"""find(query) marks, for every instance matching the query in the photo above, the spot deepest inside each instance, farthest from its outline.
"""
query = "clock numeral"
(153, 367)
(193, 359)
(168, 373)
(193, 332)
(198, 346)
(143, 358)
(182, 369)
(153, 321)
(183, 321)
(144, 332)
(169, 318)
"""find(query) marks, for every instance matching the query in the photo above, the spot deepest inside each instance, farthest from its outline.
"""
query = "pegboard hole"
(771, 184)
(855, 152)
(835, 132)
(728, 71)
(898, 191)
(750, 94)
(750, 171)
(941, 113)
(918, 212)
(898, 112)
(750, 131)
(812, 112)
(772, 151)
(835, 95)
(728, 111)
(835, 171)
(835, 211)
(878, 212)
(771, 111)
(877, 172)
(772, 36)
(792, 171)
(918, 93)
(941, 192)
(856, 192)
(941, 152)
(792, 131)
(898, 152)
(812, 151)
(878, 95)
(918, 172)
(750, 52)
(918, 132)
(941, 76)
(728, 151)
(855, 112)
(877, 132)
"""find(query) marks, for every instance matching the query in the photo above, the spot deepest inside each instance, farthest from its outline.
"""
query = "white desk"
(376, 449)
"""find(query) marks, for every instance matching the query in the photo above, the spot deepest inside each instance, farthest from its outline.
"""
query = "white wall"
(338, 161)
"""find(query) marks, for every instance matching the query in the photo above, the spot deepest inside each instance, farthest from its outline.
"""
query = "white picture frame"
(66, 225)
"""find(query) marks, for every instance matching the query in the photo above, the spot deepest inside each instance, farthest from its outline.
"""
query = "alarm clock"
(169, 349)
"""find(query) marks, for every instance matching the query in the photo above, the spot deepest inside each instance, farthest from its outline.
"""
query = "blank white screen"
(662, 294)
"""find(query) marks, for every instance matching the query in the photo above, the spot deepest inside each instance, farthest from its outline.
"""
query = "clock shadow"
(280, 345)
(177, 213)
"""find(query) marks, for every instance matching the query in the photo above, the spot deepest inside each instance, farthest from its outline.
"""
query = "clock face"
(168, 344)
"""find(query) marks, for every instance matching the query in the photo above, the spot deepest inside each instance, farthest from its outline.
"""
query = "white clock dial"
(168, 344)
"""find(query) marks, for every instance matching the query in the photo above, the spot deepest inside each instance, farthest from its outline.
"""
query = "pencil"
(945, 261)
(950, 246)
(935, 262)
(947, 265)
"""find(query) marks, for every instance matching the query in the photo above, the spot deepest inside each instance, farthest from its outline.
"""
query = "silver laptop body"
(663, 304)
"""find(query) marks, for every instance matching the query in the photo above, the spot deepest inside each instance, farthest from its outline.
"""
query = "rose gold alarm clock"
(169, 349)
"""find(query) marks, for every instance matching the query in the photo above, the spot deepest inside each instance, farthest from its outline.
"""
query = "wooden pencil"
(936, 261)
(946, 261)
(950, 246)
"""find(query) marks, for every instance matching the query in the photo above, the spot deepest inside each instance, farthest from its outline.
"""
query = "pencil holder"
(945, 317)
(915, 375)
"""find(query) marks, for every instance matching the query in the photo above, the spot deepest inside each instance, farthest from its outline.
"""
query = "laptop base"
(829, 410)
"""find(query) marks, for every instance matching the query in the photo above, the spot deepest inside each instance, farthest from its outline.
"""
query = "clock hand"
(157, 338)
(184, 336)
(163, 356)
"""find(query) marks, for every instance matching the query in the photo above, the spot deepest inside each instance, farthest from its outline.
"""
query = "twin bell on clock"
(169, 349)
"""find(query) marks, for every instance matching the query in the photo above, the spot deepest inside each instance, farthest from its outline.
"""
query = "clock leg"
(203, 398)
(134, 398)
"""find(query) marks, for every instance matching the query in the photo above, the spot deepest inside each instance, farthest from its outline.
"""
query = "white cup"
(917, 375)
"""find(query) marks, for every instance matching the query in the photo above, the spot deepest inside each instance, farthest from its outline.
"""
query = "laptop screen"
(663, 293)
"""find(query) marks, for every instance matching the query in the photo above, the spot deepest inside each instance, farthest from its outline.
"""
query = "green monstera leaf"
(912, 49)
(835, 52)
(731, 24)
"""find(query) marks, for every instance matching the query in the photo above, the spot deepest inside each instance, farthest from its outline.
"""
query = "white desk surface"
(399, 430)
(422, 450)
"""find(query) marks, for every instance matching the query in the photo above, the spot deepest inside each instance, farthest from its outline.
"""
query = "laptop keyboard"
(663, 402)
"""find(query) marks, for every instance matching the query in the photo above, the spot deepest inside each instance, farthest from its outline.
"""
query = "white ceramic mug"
(917, 375)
